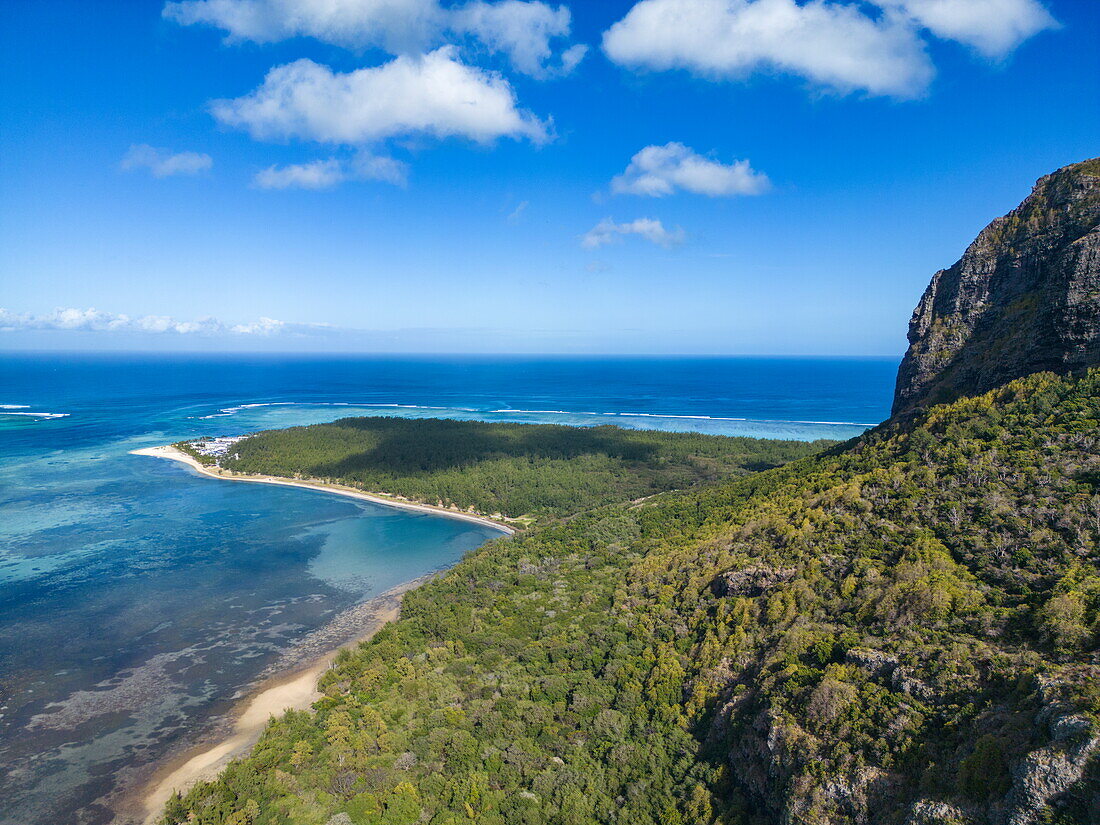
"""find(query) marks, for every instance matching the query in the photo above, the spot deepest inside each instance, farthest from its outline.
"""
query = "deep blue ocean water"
(138, 599)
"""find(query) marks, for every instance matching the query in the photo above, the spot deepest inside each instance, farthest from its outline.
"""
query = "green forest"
(517, 470)
(901, 629)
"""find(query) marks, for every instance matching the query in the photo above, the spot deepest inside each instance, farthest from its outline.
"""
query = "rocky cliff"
(1024, 298)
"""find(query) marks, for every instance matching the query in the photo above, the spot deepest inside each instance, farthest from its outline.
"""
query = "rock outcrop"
(754, 580)
(1024, 298)
(1048, 772)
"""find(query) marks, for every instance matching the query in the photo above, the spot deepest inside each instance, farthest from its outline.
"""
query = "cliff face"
(1024, 298)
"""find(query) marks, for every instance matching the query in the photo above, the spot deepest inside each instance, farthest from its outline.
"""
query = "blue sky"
(424, 176)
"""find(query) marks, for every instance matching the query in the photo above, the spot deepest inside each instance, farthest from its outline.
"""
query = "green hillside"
(899, 630)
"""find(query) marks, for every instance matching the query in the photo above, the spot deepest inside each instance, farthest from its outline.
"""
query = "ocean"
(139, 600)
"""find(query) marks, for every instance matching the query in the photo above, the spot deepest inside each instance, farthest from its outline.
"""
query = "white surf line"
(34, 414)
(228, 411)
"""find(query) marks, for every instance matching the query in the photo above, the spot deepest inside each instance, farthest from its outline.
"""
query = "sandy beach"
(175, 454)
(294, 689)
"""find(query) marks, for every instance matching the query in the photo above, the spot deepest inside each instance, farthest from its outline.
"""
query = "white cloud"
(324, 174)
(522, 29)
(829, 44)
(993, 27)
(607, 231)
(432, 94)
(837, 45)
(661, 170)
(10, 321)
(317, 174)
(265, 326)
(94, 320)
(367, 166)
(394, 25)
(163, 163)
(517, 213)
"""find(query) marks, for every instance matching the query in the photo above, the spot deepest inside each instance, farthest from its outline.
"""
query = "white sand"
(215, 472)
(297, 691)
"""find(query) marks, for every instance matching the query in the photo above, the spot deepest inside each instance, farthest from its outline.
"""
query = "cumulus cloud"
(432, 94)
(661, 170)
(394, 25)
(840, 46)
(163, 163)
(608, 231)
(829, 44)
(994, 28)
(524, 30)
(325, 174)
(94, 320)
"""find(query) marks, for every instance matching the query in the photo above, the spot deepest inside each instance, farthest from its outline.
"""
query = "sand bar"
(312, 484)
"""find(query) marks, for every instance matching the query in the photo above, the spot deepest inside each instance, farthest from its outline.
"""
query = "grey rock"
(1024, 298)
(905, 682)
(754, 580)
(1048, 772)
(1069, 727)
(339, 819)
(931, 812)
(875, 662)
(1043, 775)
(849, 798)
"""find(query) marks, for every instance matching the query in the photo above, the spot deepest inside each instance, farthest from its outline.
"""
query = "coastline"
(294, 689)
(174, 454)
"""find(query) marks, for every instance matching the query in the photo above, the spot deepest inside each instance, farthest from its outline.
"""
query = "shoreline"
(242, 726)
(294, 688)
(173, 454)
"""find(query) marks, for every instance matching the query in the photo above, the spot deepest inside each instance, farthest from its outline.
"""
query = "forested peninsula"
(901, 629)
(526, 472)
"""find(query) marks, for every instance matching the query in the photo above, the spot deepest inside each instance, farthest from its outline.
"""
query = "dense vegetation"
(513, 469)
(902, 630)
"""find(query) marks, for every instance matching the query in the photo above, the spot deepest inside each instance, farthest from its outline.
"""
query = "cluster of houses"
(216, 447)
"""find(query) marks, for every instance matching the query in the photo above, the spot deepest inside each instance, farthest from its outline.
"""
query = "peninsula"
(535, 473)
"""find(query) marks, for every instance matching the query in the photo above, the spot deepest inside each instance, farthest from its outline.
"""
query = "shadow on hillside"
(405, 447)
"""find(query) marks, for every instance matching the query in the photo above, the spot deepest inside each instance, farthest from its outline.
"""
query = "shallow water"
(137, 598)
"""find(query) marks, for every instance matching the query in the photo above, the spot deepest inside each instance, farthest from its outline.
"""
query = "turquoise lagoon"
(138, 599)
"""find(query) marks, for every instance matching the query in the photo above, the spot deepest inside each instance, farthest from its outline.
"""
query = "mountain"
(900, 630)
(1025, 297)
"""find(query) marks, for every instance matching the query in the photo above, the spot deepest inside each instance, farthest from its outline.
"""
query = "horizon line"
(447, 354)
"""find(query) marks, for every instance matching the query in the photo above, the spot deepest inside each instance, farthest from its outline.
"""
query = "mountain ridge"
(1024, 298)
